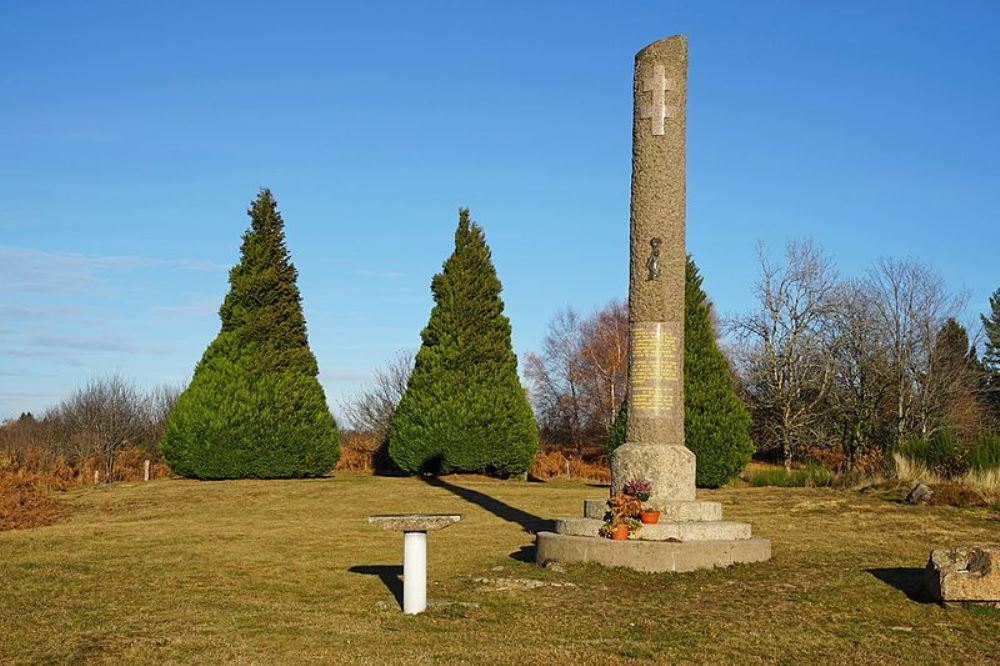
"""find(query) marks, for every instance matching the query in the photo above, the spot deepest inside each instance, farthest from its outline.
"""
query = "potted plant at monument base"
(641, 489)
(621, 520)
(614, 531)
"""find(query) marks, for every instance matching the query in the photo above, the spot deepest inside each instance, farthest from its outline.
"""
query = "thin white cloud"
(72, 349)
(12, 312)
(347, 376)
(93, 344)
(191, 309)
(57, 356)
(388, 275)
(13, 373)
(27, 270)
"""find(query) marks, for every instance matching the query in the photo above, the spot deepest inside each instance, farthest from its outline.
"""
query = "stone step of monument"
(678, 511)
(652, 556)
(711, 530)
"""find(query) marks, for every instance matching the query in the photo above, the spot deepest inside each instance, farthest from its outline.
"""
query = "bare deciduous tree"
(577, 382)
(912, 303)
(105, 416)
(159, 403)
(604, 352)
(371, 410)
(860, 396)
(785, 341)
(555, 379)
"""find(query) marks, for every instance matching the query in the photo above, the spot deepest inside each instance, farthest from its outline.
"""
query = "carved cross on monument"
(656, 109)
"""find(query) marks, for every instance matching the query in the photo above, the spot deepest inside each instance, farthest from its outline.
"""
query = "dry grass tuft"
(354, 460)
(971, 489)
(554, 464)
(26, 501)
(29, 476)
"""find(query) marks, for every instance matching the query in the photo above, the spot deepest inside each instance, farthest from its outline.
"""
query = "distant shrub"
(553, 464)
(616, 434)
(984, 456)
(942, 454)
(357, 452)
(810, 476)
(830, 458)
(25, 501)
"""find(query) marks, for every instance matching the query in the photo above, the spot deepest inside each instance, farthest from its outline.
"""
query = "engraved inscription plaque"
(655, 368)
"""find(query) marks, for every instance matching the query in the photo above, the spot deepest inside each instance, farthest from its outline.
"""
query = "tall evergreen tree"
(991, 327)
(464, 409)
(991, 355)
(255, 408)
(716, 422)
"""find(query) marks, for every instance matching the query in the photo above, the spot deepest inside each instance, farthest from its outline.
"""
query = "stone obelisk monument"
(691, 533)
(654, 442)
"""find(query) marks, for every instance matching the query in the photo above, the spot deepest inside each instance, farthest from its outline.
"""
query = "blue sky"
(134, 135)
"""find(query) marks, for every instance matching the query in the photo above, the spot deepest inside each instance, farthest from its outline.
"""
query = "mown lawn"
(290, 572)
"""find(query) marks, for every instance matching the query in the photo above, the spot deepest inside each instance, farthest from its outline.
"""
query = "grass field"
(289, 572)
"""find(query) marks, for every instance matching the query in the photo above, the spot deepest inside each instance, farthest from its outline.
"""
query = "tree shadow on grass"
(528, 521)
(391, 575)
(910, 581)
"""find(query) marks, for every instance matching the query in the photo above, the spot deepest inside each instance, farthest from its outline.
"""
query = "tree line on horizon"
(853, 367)
(844, 371)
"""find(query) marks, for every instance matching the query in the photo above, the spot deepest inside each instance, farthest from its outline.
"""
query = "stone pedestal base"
(690, 535)
(669, 511)
(652, 556)
(669, 468)
(709, 530)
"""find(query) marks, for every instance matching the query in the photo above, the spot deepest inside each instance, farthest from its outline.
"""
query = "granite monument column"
(654, 443)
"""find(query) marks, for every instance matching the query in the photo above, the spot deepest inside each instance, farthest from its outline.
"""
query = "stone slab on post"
(654, 441)
(414, 527)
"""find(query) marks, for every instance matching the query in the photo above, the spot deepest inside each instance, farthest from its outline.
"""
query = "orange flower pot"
(620, 533)
(649, 517)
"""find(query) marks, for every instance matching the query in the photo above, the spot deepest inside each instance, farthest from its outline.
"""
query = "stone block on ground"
(965, 573)
(919, 494)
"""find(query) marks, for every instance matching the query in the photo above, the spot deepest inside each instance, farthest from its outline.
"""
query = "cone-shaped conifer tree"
(464, 408)
(716, 422)
(255, 408)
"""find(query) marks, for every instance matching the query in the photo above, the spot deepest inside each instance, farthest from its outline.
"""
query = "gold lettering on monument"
(655, 368)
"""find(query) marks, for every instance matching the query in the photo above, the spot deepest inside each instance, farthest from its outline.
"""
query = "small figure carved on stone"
(654, 258)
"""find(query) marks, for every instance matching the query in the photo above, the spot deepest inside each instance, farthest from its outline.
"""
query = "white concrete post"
(146, 471)
(97, 477)
(414, 572)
